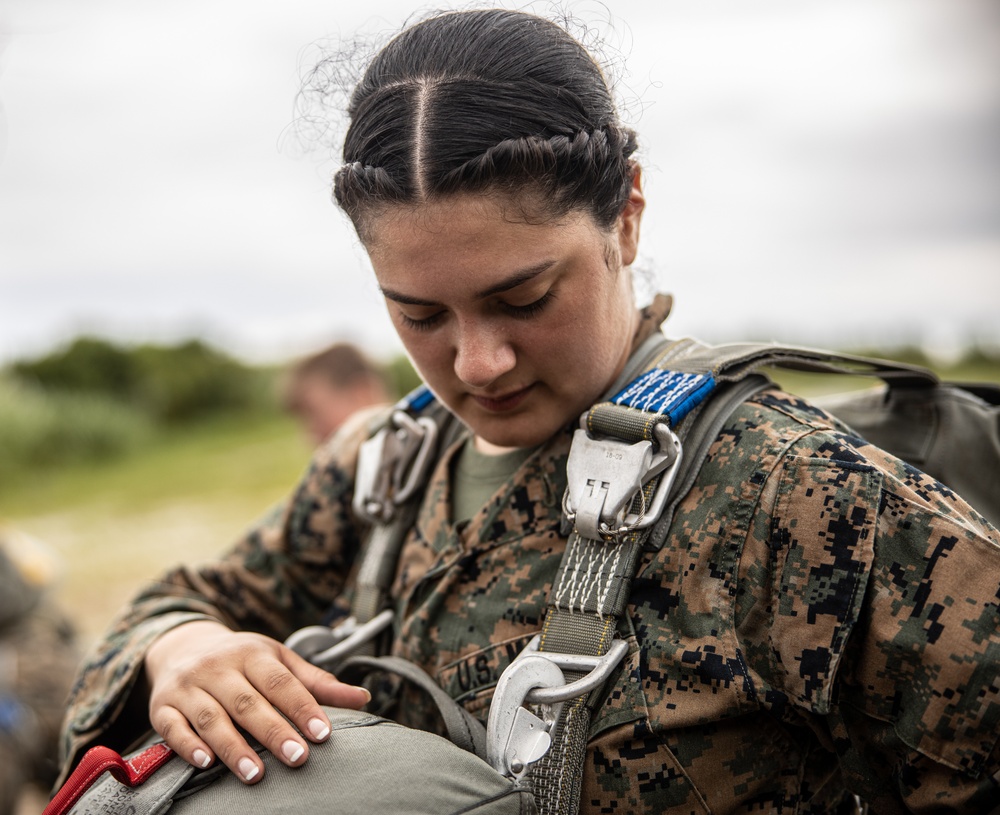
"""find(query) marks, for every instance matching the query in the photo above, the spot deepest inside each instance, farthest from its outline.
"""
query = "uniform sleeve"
(283, 574)
(883, 590)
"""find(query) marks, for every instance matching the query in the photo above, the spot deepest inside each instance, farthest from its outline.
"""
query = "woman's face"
(517, 327)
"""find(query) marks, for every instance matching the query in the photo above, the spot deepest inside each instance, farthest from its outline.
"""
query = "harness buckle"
(516, 737)
(326, 647)
(605, 474)
(393, 465)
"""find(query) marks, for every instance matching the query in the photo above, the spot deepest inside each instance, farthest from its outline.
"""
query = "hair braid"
(485, 101)
(355, 184)
(567, 168)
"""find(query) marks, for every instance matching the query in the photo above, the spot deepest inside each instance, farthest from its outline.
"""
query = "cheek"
(430, 354)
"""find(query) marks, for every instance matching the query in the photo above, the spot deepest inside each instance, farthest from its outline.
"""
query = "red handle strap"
(98, 760)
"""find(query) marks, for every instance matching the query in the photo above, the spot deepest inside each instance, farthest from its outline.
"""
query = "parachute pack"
(633, 458)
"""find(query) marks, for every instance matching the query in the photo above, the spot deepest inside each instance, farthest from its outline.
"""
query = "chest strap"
(393, 468)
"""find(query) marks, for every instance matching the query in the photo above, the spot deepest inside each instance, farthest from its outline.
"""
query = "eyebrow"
(512, 282)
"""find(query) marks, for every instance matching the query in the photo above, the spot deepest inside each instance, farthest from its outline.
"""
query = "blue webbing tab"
(418, 399)
(671, 393)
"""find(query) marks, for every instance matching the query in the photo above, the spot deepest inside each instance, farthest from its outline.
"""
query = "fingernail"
(292, 750)
(366, 692)
(201, 758)
(318, 729)
(248, 769)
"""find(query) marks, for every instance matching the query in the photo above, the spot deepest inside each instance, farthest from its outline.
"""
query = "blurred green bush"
(95, 400)
(39, 429)
(174, 383)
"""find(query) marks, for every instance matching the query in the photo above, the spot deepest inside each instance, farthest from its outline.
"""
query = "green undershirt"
(476, 476)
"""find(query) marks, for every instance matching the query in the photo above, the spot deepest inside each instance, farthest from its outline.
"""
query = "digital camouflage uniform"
(821, 617)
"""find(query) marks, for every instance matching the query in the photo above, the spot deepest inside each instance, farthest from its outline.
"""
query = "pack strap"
(100, 760)
(392, 467)
(392, 471)
(592, 587)
(463, 729)
(735, 361)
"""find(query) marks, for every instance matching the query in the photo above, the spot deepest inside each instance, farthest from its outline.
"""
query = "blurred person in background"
(38, 656)
(323, 389)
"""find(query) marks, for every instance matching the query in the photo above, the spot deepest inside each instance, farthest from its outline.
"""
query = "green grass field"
(185, 497)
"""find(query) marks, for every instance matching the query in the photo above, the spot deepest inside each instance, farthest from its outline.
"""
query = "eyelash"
(518, 312)
(531, 309)
(420, 325)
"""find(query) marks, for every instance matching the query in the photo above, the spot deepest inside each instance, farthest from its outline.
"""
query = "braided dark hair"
(483, 101)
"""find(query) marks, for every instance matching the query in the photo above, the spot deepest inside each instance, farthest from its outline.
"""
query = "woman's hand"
(205, 679)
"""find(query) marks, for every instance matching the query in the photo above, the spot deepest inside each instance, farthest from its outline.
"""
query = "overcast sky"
(817, 171)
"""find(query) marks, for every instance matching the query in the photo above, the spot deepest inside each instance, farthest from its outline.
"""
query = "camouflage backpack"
(632, 460)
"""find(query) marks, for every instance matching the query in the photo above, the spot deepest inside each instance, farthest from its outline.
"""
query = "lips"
(503, 403)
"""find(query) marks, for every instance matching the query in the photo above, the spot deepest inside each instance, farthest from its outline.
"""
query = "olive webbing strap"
(586, 600)
(464, 730)
(591, 589)
(375, 576)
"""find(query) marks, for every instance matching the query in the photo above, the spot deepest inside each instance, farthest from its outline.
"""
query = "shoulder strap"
(677, 407)
(949, 430)
(393, 466)
(635, 454)
(734, 361)
(392, 473)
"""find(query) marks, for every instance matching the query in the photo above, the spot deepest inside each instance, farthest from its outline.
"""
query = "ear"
(628, 222)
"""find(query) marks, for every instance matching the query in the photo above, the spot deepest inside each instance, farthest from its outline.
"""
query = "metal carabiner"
(604, 475)
(598, 670)
(325, 646)
(392, 465)
(515, 736)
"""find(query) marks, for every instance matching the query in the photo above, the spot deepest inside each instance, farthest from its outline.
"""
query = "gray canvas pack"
(368, 765)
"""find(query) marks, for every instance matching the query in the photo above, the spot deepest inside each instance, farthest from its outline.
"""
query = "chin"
(511, 437)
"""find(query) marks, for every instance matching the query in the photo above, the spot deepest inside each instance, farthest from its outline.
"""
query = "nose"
(482, 355)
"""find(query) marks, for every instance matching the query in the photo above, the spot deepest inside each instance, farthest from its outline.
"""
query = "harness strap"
(591, 588)
(593, 583)
(735, 361)
(392, 466)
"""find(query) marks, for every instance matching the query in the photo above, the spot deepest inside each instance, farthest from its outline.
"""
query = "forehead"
(472, 236)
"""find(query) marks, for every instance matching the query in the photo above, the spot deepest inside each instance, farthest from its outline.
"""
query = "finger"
(176, 731)
(296, 688)
(213, 724)
(255, 712)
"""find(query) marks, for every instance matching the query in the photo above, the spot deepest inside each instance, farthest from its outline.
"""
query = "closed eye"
(526, 312)
(423, 324)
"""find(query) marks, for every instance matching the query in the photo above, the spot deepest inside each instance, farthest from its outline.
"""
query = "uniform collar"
(651, 318)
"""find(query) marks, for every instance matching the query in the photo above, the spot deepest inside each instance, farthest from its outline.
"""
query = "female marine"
(821, 620)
